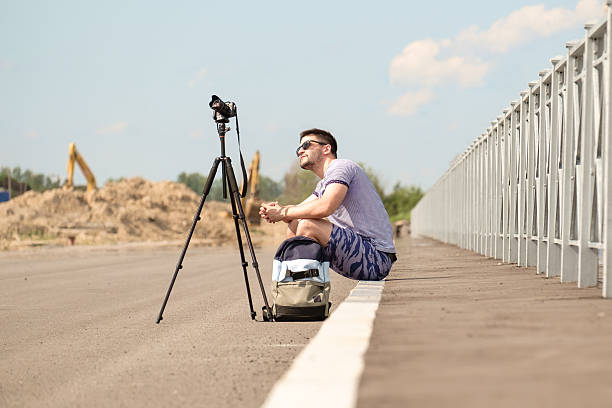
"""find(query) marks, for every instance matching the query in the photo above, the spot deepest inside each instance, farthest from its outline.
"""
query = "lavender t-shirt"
(362, 209)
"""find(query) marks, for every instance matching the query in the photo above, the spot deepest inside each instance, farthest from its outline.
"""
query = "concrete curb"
(330, 367)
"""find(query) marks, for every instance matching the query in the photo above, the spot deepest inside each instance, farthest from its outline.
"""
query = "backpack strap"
(311, 273)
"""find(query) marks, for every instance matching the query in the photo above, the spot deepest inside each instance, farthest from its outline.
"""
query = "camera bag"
(300, 281)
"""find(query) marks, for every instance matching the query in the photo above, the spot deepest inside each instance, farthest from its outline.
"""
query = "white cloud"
(113, 128)
(408, 103)
(197, 77)
(429, 63)
(527, 23)
(419, 64)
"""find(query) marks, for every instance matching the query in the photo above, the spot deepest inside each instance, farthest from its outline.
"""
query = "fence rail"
(535, 188)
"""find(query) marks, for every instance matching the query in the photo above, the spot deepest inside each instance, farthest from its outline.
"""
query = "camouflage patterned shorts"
(355, 257)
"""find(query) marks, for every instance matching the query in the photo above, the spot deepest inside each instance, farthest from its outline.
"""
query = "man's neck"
(322, 168)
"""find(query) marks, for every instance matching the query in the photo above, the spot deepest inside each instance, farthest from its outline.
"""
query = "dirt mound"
(125, 211)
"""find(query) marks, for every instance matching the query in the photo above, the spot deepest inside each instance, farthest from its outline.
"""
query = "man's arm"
(263, 209)
(311, 208)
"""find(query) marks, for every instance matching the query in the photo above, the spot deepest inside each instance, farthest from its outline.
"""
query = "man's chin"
(306, 166)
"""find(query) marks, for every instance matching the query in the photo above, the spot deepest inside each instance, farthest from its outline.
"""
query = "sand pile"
(126, 211)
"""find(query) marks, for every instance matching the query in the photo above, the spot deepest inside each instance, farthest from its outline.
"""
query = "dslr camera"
(222, 111)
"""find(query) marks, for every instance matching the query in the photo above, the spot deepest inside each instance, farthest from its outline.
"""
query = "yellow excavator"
(73, 155)
(252, 201)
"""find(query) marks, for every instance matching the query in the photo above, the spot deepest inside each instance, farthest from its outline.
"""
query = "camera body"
(222, 111)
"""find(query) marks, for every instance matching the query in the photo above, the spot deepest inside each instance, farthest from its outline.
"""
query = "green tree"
(194, 181)
(269, 190)
(197, 182)
(22, 181)
(374, 178)
(401, 201)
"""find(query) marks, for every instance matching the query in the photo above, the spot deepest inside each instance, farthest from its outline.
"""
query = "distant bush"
(197, 181)
(114, 180)
(401, 201)
(25, 180)
(269, 190)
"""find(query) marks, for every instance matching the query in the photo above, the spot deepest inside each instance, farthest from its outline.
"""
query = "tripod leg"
(196, 218)
(236, 194)
(224, 182)
(241, 249)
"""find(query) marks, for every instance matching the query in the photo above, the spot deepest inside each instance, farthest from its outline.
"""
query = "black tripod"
(222, 111)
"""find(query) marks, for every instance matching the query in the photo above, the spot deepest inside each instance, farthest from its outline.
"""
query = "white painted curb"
(330, 367)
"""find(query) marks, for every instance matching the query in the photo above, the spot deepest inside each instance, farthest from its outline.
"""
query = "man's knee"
(319, 230)
(292, 228)
(307, 227)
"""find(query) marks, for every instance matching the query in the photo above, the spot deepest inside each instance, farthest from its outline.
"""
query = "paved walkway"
(456, 329)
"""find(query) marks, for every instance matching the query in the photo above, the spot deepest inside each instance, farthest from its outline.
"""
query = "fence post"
(511, 249)
(505, 184)
(569, 253)
(491, 192)
(553, 250)
(523, 236)
(607, 160)
(541, 177)
(499, 195)
(532, 245)
(587, 257)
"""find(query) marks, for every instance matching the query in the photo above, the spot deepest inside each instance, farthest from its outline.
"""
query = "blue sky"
(403, 86)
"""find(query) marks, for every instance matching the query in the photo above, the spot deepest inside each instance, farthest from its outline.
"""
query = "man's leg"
(354, 257)
(317, 229)
(292, 228)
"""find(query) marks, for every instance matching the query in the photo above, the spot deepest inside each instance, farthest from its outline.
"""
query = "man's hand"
(276, 213)
(271, 212)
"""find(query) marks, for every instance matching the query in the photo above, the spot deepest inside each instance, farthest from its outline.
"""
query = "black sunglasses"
(306, 145)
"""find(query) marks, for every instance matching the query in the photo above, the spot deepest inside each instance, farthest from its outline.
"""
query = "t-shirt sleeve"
(317, 190)
(342, 174)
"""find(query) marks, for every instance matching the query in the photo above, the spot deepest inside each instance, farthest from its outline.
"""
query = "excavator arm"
(252, 202)
(74, 156)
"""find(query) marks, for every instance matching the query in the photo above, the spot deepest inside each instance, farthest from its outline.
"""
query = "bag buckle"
(310, 273)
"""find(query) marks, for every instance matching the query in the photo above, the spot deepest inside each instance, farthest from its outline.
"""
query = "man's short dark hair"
(325, 136)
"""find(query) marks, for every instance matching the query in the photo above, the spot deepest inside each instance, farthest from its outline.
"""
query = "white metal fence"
(535, 188)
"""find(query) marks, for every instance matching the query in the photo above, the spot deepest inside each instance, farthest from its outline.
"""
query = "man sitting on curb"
(357, 233)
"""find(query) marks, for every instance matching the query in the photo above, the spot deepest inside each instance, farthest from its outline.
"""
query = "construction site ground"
(453, 329)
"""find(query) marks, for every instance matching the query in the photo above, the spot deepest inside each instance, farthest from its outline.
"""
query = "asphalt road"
(78, 329)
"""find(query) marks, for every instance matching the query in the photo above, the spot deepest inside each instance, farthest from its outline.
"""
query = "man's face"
(313, 154)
